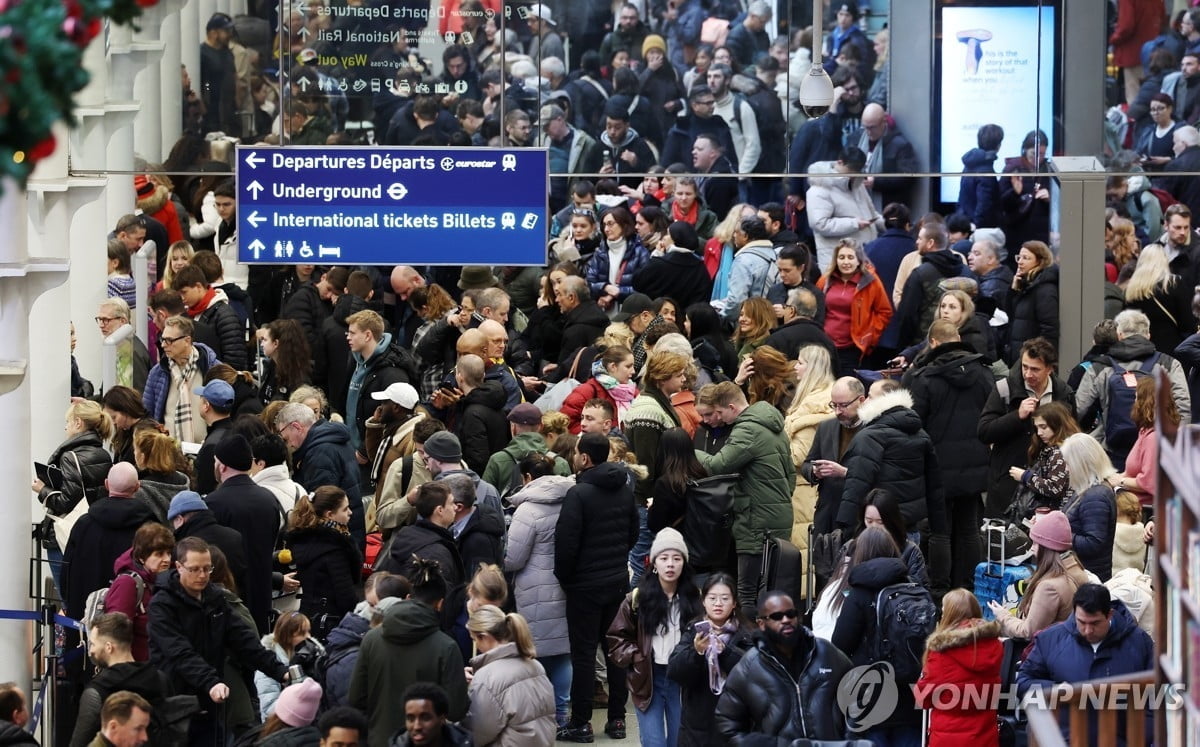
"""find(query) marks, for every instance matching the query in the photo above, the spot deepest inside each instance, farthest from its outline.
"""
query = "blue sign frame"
(337, 205)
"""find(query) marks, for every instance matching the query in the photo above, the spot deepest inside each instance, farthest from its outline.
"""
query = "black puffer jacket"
(157, 490)
(341, 654)
(893, 452)
(330, 570)
(481, 425)
(482, 539)
(84, 472)
(97, 540)
(1033, 312)
(1008, 435)
(395, 365)
(763, 698)
(949, 391)
(309, 310)
(189, 638)
(1093, 517)
(581, 326)
(11, 734)
(857, 625)
(230, 331)
(428, 541)
(596, 528)
(699, 704)
(918, 305)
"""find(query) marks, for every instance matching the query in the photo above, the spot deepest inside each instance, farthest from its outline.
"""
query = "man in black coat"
(799, 327)
(918, 305)
(189, 517)
(1187, 159)
(14, 715)
(240, 503)
(478, 528)
(429, 537)
(1006, 423)
(748, 39)
(596, 529)
(193, 630)
(216, 404)
(101, 535)
(785, 688)
(210, 306)
(679, 273)
(583, 322)
(950, 384)
(480, 423)
(309, 306)
(825, 466)
(699, 120)
(322, 455)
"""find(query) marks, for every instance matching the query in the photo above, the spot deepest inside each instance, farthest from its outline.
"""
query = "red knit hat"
(143, 185)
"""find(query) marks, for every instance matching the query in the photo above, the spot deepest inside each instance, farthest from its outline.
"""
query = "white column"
(147, 85)
(191, 33)
(171, 94)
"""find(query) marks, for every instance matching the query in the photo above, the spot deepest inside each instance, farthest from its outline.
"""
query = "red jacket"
(968, 654)
(572, 406)
(1138, 21)
(870, 311)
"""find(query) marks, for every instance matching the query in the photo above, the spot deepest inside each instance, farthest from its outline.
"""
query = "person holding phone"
(1155, 141)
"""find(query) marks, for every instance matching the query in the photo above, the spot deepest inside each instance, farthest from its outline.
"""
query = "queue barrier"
(47, 616)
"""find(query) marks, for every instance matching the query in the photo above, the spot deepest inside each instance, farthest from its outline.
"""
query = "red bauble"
(42, 149)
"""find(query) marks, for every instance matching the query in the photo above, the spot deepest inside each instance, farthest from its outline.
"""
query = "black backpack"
(905, 615)
(1119, 429)
(708, 519)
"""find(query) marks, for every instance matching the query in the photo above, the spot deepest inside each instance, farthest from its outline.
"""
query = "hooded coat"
(596, 528)
(157, 490)
(98, 538)
(949, 392)
(481, 540)
(893, 452)
(123, 597)
(919, 299)
(782, 701)
(529, 556)
(408, 647)
(388, 365)
(481, 426)
(512, 701)
(836, 202)
(429, 541)
(1033, 311)
(1025, 218)
(758, 450)
(137, 677)
(341, 655)
(979, 196)
(967, 655)
(327, 458)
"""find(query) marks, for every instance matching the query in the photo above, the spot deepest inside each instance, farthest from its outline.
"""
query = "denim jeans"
(641, 549)
(558, 671)
(659, 724)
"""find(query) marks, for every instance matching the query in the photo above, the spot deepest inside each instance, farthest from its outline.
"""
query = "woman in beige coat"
(512, 701)
(814, 385)
(1048, 598)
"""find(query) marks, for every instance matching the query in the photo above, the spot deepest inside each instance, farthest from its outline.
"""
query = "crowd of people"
(487, 486)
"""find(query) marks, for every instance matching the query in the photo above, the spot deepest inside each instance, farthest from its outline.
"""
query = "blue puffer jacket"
(341, 654)
(1093, 518)
(154, 398)
(634, 259)
(1061, 654)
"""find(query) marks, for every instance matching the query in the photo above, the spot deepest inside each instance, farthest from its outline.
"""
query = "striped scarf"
(181, 377)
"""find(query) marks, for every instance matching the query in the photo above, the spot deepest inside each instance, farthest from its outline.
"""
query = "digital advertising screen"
(995, 64)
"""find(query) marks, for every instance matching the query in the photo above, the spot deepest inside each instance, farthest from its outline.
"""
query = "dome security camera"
(816, 92)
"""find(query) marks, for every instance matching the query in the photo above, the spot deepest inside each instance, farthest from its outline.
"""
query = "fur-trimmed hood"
(155, 201)
(876, 406)
(963, 634)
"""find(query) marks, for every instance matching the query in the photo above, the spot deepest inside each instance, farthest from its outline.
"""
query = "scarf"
(622, 394)
(718, 639)
(691, 215)
(181, 377)
(199, 308)
(336, 526)
(125, 363)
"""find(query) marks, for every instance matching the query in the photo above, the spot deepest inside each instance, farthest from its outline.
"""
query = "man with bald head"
(101, 536)
(496, 367)
(404, 281)
(823, 466)
(479, 419)
(888, 152)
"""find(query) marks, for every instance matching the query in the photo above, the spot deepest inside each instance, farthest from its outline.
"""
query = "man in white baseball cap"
(389, 430)
(545, 41)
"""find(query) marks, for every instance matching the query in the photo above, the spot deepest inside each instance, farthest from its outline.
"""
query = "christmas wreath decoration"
(41, 52)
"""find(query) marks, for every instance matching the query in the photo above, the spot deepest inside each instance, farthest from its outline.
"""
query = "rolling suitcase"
(996, 580)
(782, 568)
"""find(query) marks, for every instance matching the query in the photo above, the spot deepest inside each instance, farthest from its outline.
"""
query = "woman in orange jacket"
(857, 308)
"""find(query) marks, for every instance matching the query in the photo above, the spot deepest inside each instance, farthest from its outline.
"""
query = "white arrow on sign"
(303, 32)
(253, 159)
(256, 246)
(255, 188)
(303, 84)
(254, 219)
(397, 191)
(302, 8)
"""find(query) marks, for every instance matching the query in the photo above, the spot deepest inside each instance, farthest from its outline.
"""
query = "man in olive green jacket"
(758, 451)
(502, 468)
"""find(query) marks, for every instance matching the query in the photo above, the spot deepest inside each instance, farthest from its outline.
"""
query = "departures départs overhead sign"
(385, 206)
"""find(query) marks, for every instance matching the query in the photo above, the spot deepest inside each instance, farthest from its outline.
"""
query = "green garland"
(41, 54)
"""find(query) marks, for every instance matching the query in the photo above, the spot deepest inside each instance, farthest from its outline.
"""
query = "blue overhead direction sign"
(386, 206)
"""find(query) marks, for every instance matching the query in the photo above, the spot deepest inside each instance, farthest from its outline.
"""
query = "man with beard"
(786, 686)
(823, 467)
(389, 430)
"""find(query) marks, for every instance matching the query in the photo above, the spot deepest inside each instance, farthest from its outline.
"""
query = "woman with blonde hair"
(963, 652)
(179, 255)
(1092, 510)
(811, 407)
(755, 321)
(857, 307)
(512, 702)
(719, 250)
(1162, 296)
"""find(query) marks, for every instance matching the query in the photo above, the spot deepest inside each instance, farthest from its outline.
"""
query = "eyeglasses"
(173, 340)
(199, 570)
(791, 614)
(714, 598)
(843, 405)
(283, 430)
(106, 319)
